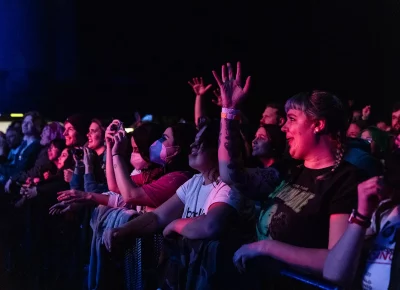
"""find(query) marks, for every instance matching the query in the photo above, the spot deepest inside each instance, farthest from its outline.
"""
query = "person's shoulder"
(348, 171)
(182, 174)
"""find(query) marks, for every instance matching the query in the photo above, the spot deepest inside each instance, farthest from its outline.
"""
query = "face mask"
(159, 153)
(137, 161)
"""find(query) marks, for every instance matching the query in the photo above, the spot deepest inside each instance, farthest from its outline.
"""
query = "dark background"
(113, 58)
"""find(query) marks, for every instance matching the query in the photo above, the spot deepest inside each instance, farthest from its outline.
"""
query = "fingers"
(65, 210)
(238, 73)
(230, 71)
(64, 195)
(247, 85)
(239, 262)
(217, 79)
(223, 73)
(63, 192)
(372, 186)
(195, 81)
(217, 92)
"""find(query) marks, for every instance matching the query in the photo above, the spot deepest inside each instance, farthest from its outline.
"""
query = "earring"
(316, 131)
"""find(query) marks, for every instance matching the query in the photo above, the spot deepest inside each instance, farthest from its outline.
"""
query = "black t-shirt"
(298, 211)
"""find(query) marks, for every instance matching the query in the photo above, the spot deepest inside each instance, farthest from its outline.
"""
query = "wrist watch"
(359, 219)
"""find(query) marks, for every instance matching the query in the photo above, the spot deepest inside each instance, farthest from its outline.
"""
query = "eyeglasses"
(369, 140)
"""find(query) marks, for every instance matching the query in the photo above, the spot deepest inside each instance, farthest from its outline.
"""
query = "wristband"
(230, 116)
(356, 218)
(357, 221)
(360, 216)
(230, 111)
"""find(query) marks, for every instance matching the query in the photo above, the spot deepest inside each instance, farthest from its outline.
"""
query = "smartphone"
(118, 127)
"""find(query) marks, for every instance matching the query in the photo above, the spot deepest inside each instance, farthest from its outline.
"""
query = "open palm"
(198, 87)
(232, 92)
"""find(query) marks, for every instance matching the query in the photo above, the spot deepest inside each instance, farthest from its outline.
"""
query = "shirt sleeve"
(226, 195)
(183, 190)
(344, 199)
(163, 188)
(114, 199)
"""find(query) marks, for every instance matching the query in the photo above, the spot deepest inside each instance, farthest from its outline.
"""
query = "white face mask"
(138, 162)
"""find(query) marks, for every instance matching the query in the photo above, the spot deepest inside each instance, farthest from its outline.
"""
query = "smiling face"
(299, 134)
(95, 136)
(71, 135)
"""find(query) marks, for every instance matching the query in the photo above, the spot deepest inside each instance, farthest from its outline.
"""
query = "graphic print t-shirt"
(379, 260)
(298, 211)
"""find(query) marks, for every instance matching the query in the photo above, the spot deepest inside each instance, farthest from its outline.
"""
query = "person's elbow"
(337, 278)
(211, 230)
(114, 188)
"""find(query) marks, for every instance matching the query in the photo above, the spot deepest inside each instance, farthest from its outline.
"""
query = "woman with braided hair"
(308, 212)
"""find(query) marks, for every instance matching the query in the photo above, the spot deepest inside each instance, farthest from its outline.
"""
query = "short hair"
(280, 109)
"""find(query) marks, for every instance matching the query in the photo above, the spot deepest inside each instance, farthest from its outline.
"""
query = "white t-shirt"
(379, 262)
(198, 197)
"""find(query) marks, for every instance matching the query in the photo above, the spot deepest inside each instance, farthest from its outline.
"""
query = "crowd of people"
(204, 205)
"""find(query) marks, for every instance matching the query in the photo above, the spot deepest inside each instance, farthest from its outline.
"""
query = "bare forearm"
(198, 109)
(111, 181)
(143, 225)
(194, 228)
(311, 259)
(122, 177)
(99, 198)
(229, 153)
(342, 261)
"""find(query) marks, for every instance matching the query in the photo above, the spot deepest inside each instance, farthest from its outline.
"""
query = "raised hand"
(198, 87)
(111, 130)
(366, 112)
(370, 193)
(232, 92)
(121, 143)
(217, 101)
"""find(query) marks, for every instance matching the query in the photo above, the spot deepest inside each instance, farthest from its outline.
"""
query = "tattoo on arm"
(233, 143)
(115, 165)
